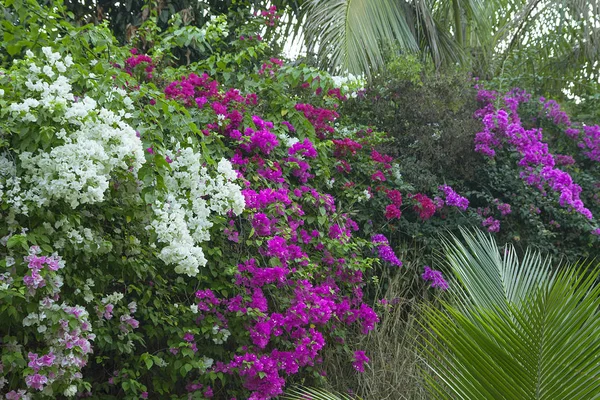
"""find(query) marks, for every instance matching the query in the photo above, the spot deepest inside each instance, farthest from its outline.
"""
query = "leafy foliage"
(302, 393)
(517, 330)
(509, 38)
(203, 253)
(436, 126)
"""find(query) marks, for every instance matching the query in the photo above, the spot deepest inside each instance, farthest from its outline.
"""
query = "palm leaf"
(490, 277)
(534, 337)
(556, 30)
(347, 34)
(305, 393)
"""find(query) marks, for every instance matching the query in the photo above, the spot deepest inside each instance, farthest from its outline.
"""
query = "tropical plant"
(517, 329)
(303, 393)
(348, 34)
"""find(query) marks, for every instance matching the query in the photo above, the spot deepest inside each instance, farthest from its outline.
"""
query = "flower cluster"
(393, 210)
(453, 199)
(384, 159)
(536, 160)
(182, 216)
(311, 307)
(553, 111)
(270, 15)
(386, 253)
(68, 334)
(320, 118)
(192, 90)
(78, 160)
(35, 278)
(136, 59)
(435, 277)
(492, 224)
(588, 140)
(61, 333)
(270, 67)
(349, 83)
(345, 147)
(504, 208)
(359, 360)
(424, 206)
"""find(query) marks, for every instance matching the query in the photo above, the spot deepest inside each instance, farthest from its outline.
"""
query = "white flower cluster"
(396, 174)
(182, 218)
(288, 141)
(10, 184)
(70, 391)
(6, 279)
(35, 319)
(208, 362)
(345, 131)
(95, 142)
(220, 335)
(88, 296)
(365, 196)
(349, 84)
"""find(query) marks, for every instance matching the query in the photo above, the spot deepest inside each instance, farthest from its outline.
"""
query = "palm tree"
(350, 34)
(518, 329)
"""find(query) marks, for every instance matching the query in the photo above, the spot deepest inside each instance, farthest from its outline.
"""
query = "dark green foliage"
(430, 117)
(126, 17)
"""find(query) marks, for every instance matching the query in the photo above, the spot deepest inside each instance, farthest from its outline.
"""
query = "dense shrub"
(434, 121)
(209, 229)
(171, 232)
(430, 117)
(546, 167)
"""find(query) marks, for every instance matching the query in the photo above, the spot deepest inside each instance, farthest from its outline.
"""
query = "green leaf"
(13, 49)
(302, 393)
(17, 240)
(514, 329)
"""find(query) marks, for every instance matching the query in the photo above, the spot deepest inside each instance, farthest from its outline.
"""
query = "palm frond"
(492, 277)
(534, 337)
(306, 393)
(347, 34)
(557, 29)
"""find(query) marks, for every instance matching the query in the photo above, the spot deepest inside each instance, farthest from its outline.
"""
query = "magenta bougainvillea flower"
(435, 277)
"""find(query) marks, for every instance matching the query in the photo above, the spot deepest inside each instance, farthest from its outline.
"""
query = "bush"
(435, 122)
(171, 226)
(176, 227)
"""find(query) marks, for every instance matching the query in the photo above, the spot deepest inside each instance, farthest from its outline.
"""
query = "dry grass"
(393, 373)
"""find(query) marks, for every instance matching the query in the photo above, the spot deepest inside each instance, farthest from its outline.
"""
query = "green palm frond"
(435, 41)
(492, 277)
(347, 34)
(557, 30)
(306, 393)
(535, 335)
(580, 16)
